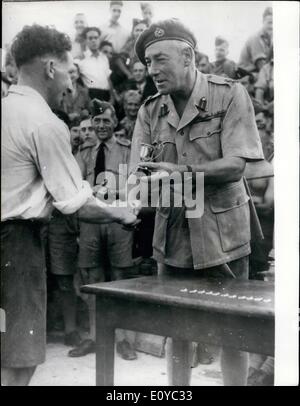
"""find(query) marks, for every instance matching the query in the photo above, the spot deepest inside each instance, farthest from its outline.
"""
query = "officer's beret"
(171, 29)
(99, 107)
(220, 41)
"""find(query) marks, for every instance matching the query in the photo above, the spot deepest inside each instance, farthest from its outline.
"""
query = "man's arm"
(219, 171)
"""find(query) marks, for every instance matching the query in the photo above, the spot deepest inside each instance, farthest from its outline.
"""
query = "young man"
(114, 32)
(141, 81)
(223, 66)
(78, 43)
(39, 172)
(207, 125)
(105, 252)
(202, 62)
(257, 48)
(94, 67)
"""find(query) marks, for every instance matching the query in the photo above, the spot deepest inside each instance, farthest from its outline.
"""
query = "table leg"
(179, 360)
(105, 348)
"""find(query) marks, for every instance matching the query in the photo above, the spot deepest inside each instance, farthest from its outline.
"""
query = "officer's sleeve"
(141, 134)
(240, 137)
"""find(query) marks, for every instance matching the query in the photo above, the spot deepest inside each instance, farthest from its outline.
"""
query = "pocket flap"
(222, 202)
(205, 129)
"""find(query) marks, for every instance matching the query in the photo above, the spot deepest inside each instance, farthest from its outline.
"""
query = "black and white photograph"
(149, 195)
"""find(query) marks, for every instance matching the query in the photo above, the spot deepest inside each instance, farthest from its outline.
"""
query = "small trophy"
(146, 155)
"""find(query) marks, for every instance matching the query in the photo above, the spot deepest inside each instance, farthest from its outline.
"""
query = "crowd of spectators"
(106, 68)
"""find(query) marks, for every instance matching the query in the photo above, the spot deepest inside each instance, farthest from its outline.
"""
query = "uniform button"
(181, 132)
(208, 132)
(184, 154)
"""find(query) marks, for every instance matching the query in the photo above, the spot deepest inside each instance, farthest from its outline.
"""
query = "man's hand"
(163, 166)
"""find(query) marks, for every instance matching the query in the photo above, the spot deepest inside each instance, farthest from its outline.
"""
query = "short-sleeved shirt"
(95, 70)
(256, 47)
(38, 169)
(265, 81)
(116, 34)
(225, 127)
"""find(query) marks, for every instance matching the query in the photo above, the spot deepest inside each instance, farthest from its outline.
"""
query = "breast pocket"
(205, 137)
(232, 213)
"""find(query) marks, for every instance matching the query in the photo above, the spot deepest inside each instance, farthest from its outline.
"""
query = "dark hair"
(137, 21)
(105, 43)
(199, 56)
(88, 29)
(116, 3)
(36, 41)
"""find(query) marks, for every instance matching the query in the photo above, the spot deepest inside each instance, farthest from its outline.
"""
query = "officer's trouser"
(179, 354)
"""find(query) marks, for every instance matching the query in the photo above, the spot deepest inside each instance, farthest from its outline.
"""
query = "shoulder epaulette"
(220, 80)
(150, 98)
(123, 141)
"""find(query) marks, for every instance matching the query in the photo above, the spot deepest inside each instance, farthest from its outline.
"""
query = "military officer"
(206, 124)
(104, 252)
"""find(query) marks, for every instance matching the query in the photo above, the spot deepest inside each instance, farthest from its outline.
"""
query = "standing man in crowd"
(114, 32)
(257, 48)
(78, 43)
(94, 67)
(207, 125)
(38, 172)
(105, 252)
(223, 66)
(141, 81)
(132, 103)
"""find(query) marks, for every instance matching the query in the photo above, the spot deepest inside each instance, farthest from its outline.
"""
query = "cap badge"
(159, 32)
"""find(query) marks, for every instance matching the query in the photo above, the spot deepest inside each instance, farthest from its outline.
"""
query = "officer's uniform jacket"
(117, 152)
(218, 122)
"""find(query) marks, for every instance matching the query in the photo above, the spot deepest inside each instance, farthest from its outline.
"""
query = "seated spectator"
(147, 12)
(76, 139)
(78, 43)
(223, 66)
(94, 67)
(76, 101)
(127, 56)
(114, 32)
(141, 81)
(132, 103)
(266, 135)
(87, 133)
(202, 62)
(257, 47)
(264, 89)
(107, 49)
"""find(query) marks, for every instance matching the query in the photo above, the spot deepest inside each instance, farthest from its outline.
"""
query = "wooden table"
(228, 312)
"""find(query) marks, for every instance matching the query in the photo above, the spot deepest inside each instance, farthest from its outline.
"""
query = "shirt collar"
(192, 109)
(113, 24)
(108, 143)
(29, 92)
(88, 53)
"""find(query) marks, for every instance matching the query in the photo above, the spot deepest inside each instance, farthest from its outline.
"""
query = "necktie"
(100, 161)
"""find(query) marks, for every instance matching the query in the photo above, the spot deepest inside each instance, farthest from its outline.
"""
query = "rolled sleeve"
(141, 134)
(240, 137)
(58, 167)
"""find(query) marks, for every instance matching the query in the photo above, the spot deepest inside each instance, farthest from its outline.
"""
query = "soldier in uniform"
(105, 253)
(206, 124)
(132, 103)
(223, 66)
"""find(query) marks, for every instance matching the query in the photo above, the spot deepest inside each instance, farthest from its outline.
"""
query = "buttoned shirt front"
(223, 126)
(117, 152)
(95, 70)
(116, 34)
(38, 170)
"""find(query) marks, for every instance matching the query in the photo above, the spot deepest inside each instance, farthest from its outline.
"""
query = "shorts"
(62, 242)
(23, 293)
(105, 243)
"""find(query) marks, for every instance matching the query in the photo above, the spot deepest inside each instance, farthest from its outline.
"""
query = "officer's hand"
(164, 166)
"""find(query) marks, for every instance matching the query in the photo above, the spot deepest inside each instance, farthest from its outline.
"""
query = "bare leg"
(234, 365)
(16, 376)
